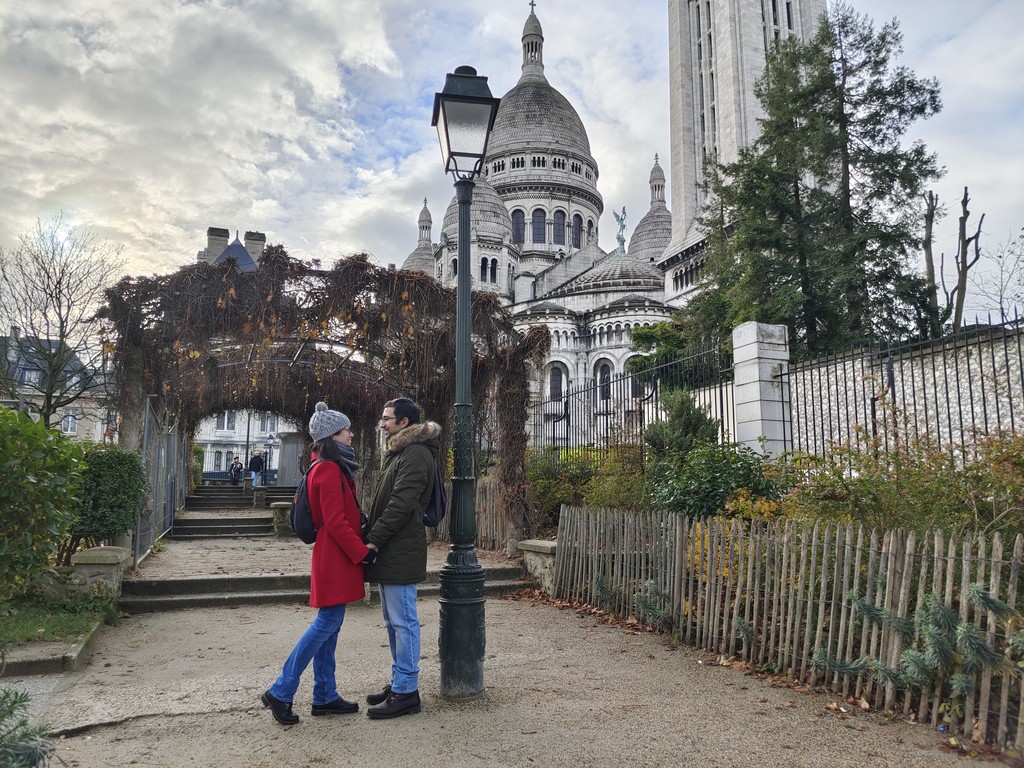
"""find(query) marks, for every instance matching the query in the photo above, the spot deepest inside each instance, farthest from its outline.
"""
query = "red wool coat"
(337, 573)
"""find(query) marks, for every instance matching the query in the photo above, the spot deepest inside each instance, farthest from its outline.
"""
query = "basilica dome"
(534, 116)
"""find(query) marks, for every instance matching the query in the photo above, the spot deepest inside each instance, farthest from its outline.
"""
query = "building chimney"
(216, 242)
(254, 243)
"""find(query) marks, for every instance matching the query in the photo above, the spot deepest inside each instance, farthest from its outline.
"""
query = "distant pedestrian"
(255, 467)
(235, 471)
(395, 527)
(336, 577)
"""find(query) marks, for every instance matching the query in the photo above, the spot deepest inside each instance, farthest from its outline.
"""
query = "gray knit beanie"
(325, 422)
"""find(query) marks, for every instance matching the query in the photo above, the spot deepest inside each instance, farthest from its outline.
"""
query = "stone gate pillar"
(761, 390)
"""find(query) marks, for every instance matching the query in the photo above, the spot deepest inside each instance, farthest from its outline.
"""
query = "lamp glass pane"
(466, 125)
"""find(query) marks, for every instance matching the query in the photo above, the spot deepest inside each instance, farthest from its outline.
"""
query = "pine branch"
(961, 685)
(938, 647)
(986, 601)
(976, 652)
(915, 668)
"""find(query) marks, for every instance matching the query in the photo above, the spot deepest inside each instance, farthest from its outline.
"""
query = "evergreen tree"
(815, 223)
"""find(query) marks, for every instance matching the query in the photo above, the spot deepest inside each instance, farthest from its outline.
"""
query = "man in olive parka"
(395, 529)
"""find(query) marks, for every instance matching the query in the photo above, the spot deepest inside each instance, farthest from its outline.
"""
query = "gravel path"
(181, 689)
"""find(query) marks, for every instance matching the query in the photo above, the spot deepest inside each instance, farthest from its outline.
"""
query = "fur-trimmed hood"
(415, 433)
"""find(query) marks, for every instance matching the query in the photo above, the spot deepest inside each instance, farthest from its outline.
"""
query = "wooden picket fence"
(491, 525)
(786, 596)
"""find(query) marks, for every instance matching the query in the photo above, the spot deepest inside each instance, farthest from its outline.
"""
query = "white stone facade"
(717, 51)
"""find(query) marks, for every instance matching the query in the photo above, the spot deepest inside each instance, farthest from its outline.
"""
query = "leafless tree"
(968, 252)
(1002, 283)
(51, 285)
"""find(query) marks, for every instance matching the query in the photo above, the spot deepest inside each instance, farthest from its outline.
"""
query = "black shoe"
(395, 705)
(281, 710)
(336, 707)
(380, 696)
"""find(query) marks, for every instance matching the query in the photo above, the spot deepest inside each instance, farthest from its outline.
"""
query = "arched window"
(577, 230)
(455, 267)
(511, 279)
(537, 235)
(555, 384)
(558, 237)
(494, 271)
(518, 227)
(483, 270)
(604, 380)
(218, 461)
(590, 231)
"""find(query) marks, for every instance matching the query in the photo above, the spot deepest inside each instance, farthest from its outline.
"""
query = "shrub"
(556, 477)
(113, 489)
(702, 482)
(685, 425)
(41, 475)
(21, 745)
(618, 480)
(917, 486)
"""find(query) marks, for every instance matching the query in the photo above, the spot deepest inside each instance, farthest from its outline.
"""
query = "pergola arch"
(210, 337)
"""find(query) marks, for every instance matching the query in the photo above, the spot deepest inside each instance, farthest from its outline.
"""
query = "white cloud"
(310, 120)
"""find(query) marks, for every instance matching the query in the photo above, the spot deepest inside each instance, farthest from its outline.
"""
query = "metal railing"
(601, 415)
(948, 391)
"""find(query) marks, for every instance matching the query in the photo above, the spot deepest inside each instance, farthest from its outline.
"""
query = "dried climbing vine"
(209, 338)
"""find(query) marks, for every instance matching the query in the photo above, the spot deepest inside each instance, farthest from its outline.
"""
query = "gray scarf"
(348, 457)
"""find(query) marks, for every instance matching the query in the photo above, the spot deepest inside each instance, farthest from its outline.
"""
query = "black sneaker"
(395, 705)
(380, 696)
(337, 707)
(281, 710)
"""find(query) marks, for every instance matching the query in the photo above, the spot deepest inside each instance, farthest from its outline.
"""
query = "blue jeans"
(398, 602)
(255, 478)
(317, 644)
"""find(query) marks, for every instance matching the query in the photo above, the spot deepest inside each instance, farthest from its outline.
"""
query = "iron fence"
(602, 415)
(947, 391)
(165, 456)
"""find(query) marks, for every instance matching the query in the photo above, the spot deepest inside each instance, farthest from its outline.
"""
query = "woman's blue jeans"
(398, 602)
(317, 644)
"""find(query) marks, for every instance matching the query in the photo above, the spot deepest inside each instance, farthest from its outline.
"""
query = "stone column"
(761, 392)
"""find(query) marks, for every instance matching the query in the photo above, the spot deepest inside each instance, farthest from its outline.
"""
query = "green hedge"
(113, 489)
(42, 473)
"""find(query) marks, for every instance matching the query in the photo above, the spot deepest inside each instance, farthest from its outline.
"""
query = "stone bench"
(100, 566)
(282, 518)
(539, 561)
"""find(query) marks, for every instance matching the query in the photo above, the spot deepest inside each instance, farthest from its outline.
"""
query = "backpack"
(301, 514)
(437, 507)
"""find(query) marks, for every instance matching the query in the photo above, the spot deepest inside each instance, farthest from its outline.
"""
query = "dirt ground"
(181, 689)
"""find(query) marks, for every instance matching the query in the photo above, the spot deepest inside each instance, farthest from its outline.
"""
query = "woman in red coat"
(337, 574)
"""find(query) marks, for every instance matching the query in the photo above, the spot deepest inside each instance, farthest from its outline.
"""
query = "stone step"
(208, 527)
(151, 604)
(215, 520)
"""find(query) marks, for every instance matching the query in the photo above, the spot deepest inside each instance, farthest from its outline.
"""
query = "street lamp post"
(463, 115)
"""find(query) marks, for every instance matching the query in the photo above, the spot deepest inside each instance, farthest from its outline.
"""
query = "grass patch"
(33, 623)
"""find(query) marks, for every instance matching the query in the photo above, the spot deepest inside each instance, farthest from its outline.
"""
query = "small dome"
(654, 231)
(489, 218)
(532, 25)
(420, 260)
(617, 271)
(657, 175)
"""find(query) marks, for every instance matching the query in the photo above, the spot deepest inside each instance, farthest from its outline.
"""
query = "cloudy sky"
(310, 120)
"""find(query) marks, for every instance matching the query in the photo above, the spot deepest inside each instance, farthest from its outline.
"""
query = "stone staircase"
(220, 496)
(222, 526)
(150, 595)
